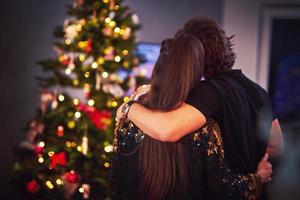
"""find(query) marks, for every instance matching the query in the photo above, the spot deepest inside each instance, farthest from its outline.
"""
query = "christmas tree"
(66, 154)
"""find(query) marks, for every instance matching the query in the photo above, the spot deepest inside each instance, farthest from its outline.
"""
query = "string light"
(125, 52)
(71, 124)
(117, 7)
(126, 99)
(68, 71)
(75, 82)
(73, 144)
(77, 114)
(79, 27)
(68, 144)
(49, 184)
(94, 65)
(126, 64)
(81, 190)
(106, 164)
(122, 32)
(50, 153)
(117, 58)
(112, 23)
(79, 148)
(41, 144)
(105, 1)
(61, 97)
(81, 57)
(68, 41)
(104, 74)
(107, 20)
(59, 181)
(91, 102)
(76, 101)
(41, 160)
(114, 104)
(82, 44)
(117, 30)
(108, 148)
(87, 74)
(100, 60)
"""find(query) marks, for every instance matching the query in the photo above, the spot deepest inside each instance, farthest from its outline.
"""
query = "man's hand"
(264, 169)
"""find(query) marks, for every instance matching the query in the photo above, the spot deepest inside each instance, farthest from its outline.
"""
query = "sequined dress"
(209, 176)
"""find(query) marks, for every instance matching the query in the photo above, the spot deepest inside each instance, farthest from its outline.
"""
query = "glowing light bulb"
(41, 159)
(106, 164)
(81, 190)
(59, 181)
(77, 115)
(108, 148)
(117, 58)
(68, 71)
(68, 41)
(50, 153)
(114, 104)
(81, 57)
(126, 99)
(87, 74)
(49, 184)
(125, 52)
(91, 102)
(94, 65)
(68, 144)
(104, 74)
(79, 27)
(107, 20)
(76, 101)
(79, 148)
(61, 97)
(117, 30)
(112, 23)
(41, 144)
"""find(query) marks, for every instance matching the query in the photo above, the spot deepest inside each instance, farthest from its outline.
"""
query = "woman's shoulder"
(127, 137)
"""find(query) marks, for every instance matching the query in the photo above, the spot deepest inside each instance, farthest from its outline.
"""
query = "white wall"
(245, 19)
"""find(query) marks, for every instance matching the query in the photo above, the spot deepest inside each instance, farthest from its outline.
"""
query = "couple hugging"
(200, 130)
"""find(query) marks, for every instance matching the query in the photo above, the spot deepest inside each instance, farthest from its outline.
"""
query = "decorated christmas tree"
(66, 153)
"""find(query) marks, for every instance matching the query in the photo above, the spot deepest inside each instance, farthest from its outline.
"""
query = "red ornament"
(32, 187)
(65, 59)
(58, 159)
(89, 46)
(98, 118)
(72, 177)
(60, 131)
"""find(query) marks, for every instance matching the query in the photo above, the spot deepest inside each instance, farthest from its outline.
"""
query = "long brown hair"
(162, 165)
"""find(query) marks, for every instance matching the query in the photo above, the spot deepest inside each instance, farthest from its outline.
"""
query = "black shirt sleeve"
(204, 98)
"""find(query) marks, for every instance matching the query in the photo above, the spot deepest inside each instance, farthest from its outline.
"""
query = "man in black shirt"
(241, 107)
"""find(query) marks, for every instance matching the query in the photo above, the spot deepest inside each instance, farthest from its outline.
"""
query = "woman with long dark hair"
(193, 167)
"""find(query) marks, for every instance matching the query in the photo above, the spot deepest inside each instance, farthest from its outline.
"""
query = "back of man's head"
(219, 55)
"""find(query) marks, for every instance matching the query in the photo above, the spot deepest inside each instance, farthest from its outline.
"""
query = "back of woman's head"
(178, 68)
(163, 166)
(219, 55)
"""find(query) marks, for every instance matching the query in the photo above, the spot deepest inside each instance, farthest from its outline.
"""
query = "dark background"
(26, 29)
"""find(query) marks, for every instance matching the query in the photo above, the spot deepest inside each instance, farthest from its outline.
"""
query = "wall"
(244, 19)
